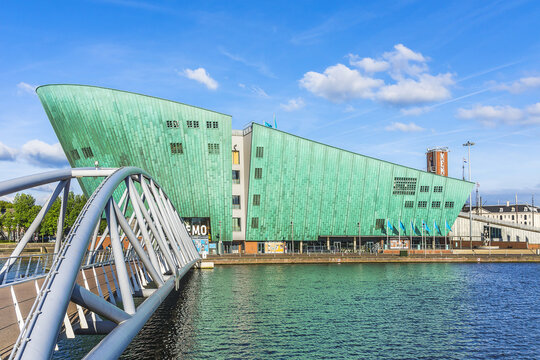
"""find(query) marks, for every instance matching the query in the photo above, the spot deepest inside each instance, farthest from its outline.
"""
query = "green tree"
(50, 221)
(25, 211)
(74, 207)
(4, 205)
(6, 219)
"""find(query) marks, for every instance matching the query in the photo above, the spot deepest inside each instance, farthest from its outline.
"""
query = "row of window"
(259, 152)
(87, 153)
(192, 124)
(437, 189)
(178, 148)
(236, 201)
(434, 204)
(407, 186)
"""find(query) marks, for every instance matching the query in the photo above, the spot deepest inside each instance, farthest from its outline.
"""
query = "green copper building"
(253, 185)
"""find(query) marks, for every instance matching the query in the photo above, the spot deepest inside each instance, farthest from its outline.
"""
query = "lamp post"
(359, 240)
(292, 236)
(220, 244)
(468, 144)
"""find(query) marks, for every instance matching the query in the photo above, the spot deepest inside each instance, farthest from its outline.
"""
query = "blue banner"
(401, 225)
(437, 227)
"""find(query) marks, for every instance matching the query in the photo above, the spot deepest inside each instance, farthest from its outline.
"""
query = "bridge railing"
(149, 251)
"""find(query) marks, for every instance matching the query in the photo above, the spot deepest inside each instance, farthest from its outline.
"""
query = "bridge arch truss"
(150, 250)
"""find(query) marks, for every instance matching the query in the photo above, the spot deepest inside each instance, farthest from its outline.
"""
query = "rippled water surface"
(368, 311)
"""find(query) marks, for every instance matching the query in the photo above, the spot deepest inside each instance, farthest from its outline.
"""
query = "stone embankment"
(31, 248)
(347, 258)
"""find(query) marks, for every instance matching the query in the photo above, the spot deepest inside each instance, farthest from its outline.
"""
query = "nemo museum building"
(258, 189)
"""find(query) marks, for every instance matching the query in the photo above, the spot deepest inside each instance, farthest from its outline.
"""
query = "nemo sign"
(197, 226)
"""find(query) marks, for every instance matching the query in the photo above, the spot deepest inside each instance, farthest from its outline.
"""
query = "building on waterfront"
(521, 214)
(489, 229)
(248, 188)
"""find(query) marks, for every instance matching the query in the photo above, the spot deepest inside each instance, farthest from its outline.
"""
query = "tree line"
(17, 216)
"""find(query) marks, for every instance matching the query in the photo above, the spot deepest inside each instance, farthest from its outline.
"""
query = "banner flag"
(437, 227)
(401, 225)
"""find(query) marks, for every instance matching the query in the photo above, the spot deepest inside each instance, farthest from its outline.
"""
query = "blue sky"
(386, 79)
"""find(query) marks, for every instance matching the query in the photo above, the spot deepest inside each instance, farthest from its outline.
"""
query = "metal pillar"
(118, 252)
(61, 218)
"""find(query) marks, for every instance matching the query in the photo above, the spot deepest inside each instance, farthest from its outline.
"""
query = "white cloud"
(293, 104)
(368, 64)
(26, 88)
(243, 86)
(520, 85)
(398, 126)
(200, 75)
(42, 154)
(494, 115)
(257, 90)
(427, 88)
(7, 153)
(410, 81)
(339, 83)
(534, 110)
(416, 110)
(403, 61)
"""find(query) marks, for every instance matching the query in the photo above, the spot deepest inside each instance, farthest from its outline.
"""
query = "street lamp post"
(220, 244)
(292, 236)
(468, 144)
(359, 239)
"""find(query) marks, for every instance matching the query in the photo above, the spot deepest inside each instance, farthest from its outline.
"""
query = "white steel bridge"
(82, 288)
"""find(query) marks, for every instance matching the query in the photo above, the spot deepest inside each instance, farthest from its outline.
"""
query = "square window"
(236, 224)
(256, 199)
(236, 157)
(176, 148)
(449, 204)
(409, 204)
(436, 204)
(424, 188)
(87, 152)
(236, 176)
(213, 149)
(255, 223)
(172, 124)
(422, 204)
(438, 189)
(75, 155)
(236, 201)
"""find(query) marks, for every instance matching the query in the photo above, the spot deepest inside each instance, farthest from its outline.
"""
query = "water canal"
(354, 311)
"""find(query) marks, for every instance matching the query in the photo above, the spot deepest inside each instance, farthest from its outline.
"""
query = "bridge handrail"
(166, 247)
